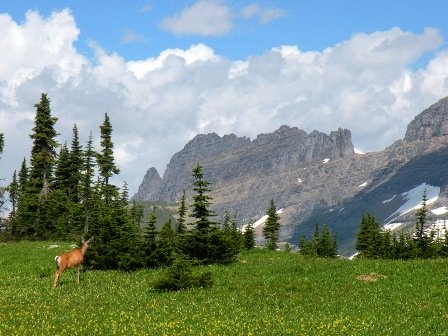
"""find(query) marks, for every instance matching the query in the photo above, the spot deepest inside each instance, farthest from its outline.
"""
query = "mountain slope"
(314, 178)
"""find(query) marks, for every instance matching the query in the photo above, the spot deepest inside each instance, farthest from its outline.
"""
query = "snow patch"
(389, 200)
(392, 226)
(325, 160)
(440, 211)
(299, 180)
(358, 151)
(362, 185)
(261, 220)
(413, 199)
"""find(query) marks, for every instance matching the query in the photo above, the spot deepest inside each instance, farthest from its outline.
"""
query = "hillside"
(314, 178)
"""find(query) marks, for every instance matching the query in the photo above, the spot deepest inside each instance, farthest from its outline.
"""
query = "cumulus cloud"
(205, 17)
(366, 83)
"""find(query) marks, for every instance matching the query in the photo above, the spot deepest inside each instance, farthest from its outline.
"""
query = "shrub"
(180, 276)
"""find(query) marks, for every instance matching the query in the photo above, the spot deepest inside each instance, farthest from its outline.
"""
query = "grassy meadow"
(263, 293)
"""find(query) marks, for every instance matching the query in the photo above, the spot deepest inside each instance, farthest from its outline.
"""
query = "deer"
(72, 259)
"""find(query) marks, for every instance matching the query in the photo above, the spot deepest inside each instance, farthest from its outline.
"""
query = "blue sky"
(165, 71)
(311, 25)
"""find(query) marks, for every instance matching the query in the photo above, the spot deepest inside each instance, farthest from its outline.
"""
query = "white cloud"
(195, 53)
(205, 17)
(131, 36)
(366, 83)
(263, 14)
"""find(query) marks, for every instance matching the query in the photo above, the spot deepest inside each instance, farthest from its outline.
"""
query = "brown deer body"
(72, 259)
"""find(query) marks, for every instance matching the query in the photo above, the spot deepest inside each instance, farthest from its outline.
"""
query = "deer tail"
(56, 259)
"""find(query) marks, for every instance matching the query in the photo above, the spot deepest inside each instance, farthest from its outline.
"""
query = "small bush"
(180, 276)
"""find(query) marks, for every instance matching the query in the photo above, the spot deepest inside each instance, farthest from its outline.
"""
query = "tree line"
(65, 192)
(422, 241)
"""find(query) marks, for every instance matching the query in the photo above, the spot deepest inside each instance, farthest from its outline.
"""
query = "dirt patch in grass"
(371, 277)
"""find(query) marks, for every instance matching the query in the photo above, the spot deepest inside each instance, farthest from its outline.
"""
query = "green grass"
(264, 293)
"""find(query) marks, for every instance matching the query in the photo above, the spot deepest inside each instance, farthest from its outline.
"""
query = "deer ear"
(90, 239)
(82, 240)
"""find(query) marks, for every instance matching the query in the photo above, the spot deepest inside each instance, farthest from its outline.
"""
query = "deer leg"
(79, 271)
(56, 278)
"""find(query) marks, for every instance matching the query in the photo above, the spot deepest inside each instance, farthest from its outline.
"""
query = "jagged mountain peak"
(315, 177)
(432, 122)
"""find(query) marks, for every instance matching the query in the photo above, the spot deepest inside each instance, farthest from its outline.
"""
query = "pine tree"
(386, 247)
(201, 201)
(151, 229)
(23, 177)
(105, 158)
(125, 194)
(2, 142)
(166, 244)
(65, 196)
(32, 218)
(136, 212)
(307, 247)
(271, 227)
(150, 236)
(76, 167)
(62, 173)
(327, 244)
(422, 239)
(249, 236)
(13, 190)
(182, 213)
(43, 152)
(88, 171)
(368, 239)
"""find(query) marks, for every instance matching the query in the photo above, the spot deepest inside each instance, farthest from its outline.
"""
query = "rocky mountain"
(314, 178)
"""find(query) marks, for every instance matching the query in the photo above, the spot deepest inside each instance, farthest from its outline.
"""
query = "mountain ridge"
(308, 175)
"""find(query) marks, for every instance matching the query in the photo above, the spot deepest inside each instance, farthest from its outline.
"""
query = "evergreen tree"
(66, 198)
(125, 194)
(307, 247)
(386, 247)
(182, 213)
(201, 201)
(271, 227)
(166, 244)
(76, 167)
(368, 239)
(62, 172)
(136, 212)
(88, 171)
(43, 152)
(105, 158)
(444, 247)
(32, 218)
(2, 142)
(23, 178)
(206, 243)
(249, 236)
(151, 229)
(150, 242)
(422, 239)
(327, 244)
(13, 190)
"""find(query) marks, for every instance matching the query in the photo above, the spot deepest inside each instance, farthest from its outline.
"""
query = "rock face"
(235, 160)
(315, 178)
(432, 122)
(150, 185)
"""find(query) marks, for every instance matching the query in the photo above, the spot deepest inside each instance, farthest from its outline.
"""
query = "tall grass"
(263, 293)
